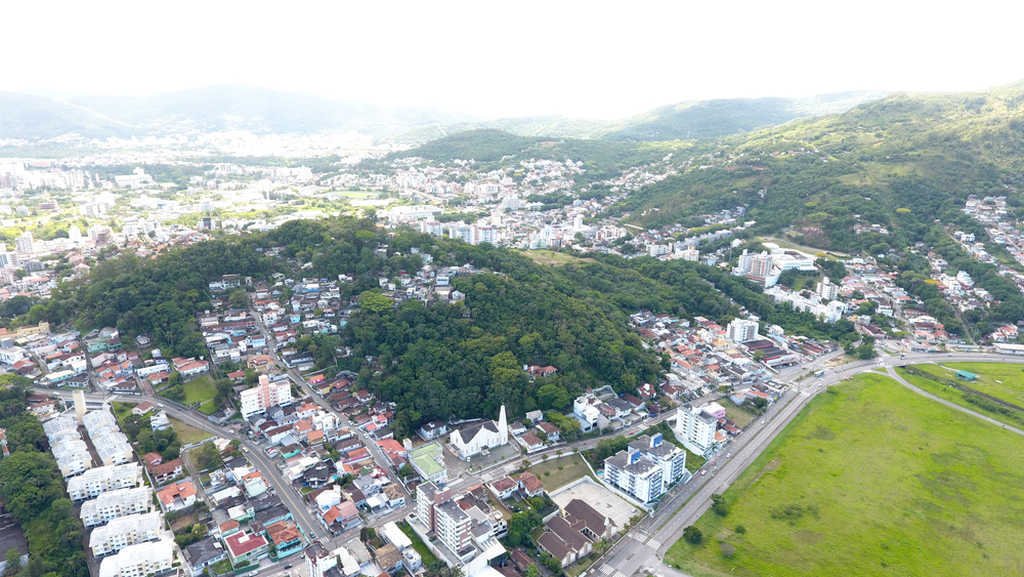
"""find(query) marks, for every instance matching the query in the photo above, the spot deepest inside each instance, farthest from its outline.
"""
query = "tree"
(521, 526)
(238, 298)
(13, 558)
(693, 535)
(207, 457)
(719, 505)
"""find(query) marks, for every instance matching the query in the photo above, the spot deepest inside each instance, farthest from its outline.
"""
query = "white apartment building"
(125, 531)
(113, 504)
(72, 455)
(102, 479)
(741, 330)
(139, 560)
(827, 290)
(647, 468)
(111, 444)
(264, 395)
(695, 429)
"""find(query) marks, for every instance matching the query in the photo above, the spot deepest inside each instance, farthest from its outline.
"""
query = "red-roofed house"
(178, 496)
(244, 546)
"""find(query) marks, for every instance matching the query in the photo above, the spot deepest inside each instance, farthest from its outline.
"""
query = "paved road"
(642, 550)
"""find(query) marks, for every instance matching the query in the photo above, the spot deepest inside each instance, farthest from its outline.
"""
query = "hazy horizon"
(527, 59)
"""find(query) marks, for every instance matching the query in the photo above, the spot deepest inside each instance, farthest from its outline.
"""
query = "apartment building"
(102, 479)
(124, 531)
(111, 444)
(114, 504)
(695, 429)
(647, 468)
(139, 560)
(264, 395)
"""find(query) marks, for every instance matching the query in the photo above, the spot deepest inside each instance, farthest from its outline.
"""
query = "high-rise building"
(646, 468)
(24, 244)
(695, 429)
(827, 291)
(264, 395)
(741, 330)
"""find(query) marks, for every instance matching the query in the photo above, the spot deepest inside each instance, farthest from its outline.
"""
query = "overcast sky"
(487, 58)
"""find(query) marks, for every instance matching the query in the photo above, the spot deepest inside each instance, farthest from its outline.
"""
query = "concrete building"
(741, 330)
(264, 395)
(647, 468)
(114, 504)
(102, 479)
(140, 560)
(125, 531)
(111, 444)
(695, 429)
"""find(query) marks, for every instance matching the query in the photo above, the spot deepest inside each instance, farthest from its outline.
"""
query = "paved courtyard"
(598, 497)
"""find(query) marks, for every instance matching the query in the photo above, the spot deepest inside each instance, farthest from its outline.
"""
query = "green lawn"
(872, 480)
(187, 433)
(561, 471)
(984, 384)
(201, 390)
(1004, 381)
(429, 559)
(741, 415)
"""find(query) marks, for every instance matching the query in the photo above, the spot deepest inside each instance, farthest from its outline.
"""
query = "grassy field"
(1003, 381)
(741, 415)
(871, 480)
(553, 258)
(201, 391)
(561, 471)
(984, 406)
(187, 433)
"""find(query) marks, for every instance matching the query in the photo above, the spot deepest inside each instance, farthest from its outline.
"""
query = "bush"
(719, 506)
(693, 535)
(728, 550)
(741, 529)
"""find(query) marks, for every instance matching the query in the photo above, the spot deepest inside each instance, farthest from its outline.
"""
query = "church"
(475, 437)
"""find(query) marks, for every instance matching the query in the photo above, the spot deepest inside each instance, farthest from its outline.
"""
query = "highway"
(641, 551)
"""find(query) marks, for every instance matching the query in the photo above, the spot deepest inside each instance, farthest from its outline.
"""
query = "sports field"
(871, 480)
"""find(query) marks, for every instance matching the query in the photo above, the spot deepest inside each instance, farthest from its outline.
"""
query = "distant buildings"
(477, 437)
(647, 468)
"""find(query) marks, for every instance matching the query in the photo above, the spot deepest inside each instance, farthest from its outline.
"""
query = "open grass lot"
(561, 471)
(553, 258)
(199, 392)
(872, 480)
(1004, 381)
(187, 433)
(741, 415)
(988, 382)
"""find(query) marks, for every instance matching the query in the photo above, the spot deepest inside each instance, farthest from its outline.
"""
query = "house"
(551, 432)
(530, 442)
(388, 558)
(246, 547)
(504, 488)
(203, 554)
(163, 472)
(177, 496)
(530, 485)
(477, 437)
(570, 536)
(143, 408)
(285, 538)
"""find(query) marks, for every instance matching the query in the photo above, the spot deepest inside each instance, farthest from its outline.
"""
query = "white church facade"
(476, 437)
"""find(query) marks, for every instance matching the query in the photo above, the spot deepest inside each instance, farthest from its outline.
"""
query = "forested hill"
(711, 119)
(436, 360)
(900, 162)
(491, 148)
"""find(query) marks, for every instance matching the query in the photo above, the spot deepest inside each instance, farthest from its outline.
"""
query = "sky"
(502, 59)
